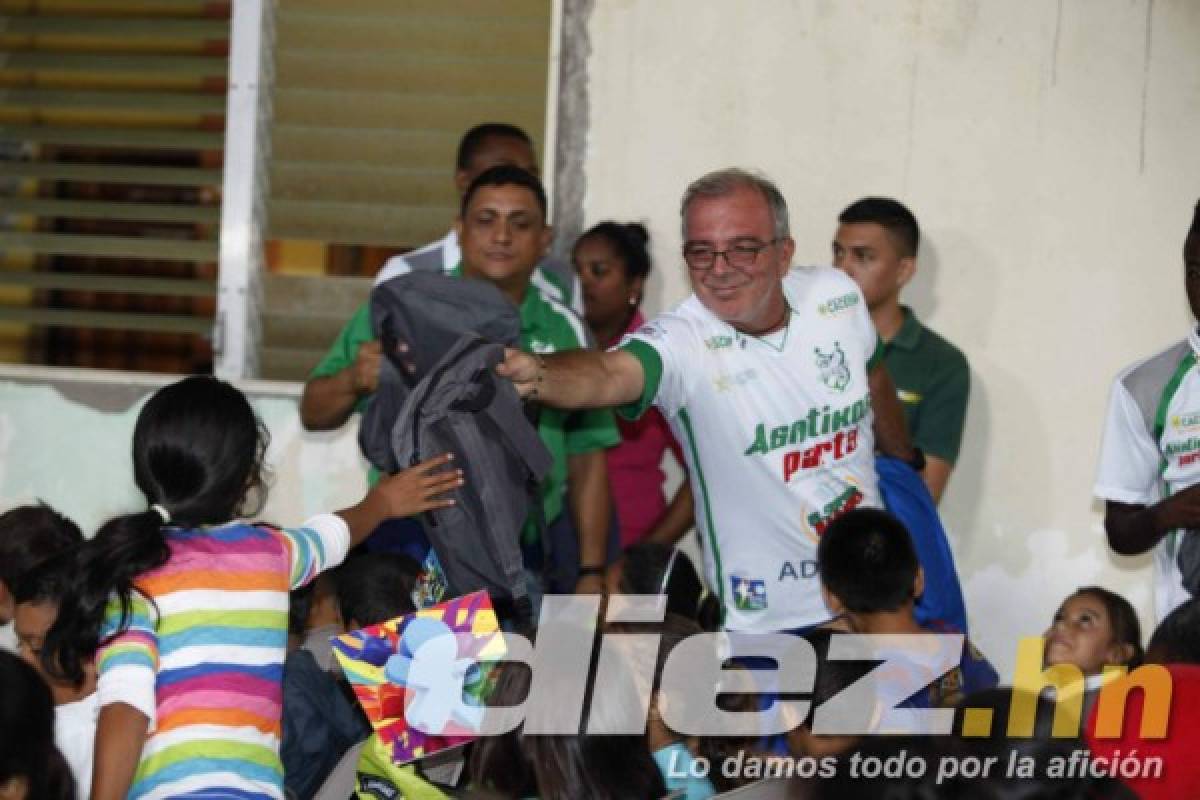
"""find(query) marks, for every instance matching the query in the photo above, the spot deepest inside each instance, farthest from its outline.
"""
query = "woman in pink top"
(613, 264)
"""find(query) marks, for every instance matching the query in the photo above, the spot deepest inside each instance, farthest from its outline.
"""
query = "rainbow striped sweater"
(203, 655)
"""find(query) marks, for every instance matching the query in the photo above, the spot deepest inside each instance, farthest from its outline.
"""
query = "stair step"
(105, 173)
(96, 209)
(67, 244)
(286, 363)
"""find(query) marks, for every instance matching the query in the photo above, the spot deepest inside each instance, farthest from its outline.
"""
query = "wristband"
(585, 572)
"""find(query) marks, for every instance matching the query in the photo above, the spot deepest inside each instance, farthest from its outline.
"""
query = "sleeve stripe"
(321, 543)
(652, 369)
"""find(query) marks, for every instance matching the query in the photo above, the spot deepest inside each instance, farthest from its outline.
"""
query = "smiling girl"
(1094, 628)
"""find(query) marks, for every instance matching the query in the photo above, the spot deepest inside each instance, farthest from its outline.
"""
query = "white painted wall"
(1049, 150)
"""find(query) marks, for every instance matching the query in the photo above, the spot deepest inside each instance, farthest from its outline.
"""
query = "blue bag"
(907, 498)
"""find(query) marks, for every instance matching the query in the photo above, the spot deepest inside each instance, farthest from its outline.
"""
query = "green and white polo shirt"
(777, 434)
(1151, 448)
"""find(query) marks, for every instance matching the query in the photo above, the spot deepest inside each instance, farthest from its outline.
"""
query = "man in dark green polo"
(876, 244)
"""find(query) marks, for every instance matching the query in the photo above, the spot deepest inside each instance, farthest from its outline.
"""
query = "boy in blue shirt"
(871, 578)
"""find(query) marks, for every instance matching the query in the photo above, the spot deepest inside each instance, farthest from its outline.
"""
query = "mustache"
(729, 282)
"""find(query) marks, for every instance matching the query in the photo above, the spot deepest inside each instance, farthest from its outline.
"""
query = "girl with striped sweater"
(185, 608)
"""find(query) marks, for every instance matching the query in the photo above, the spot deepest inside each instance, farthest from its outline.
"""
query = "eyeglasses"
(740, 256)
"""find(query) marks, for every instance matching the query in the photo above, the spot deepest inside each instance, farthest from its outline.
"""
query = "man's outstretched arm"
(575, 378)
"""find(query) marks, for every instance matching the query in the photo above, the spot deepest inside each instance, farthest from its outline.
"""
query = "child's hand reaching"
(420, 488)
(408, 492)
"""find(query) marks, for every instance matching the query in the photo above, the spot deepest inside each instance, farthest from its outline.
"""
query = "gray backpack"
(429, 312)
(462, 407)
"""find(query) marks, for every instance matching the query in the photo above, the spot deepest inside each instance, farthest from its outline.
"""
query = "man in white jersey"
(1149, 471)
(771, 378)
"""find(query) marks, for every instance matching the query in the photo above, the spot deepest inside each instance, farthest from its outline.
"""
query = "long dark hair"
(197, 452)
(27, 748)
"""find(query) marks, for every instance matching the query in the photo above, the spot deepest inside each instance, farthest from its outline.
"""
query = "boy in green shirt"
(876, 245)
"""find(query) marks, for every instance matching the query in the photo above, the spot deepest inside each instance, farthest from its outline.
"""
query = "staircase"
(302, 316)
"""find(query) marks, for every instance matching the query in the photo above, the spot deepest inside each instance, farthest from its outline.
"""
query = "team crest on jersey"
(834, 372)
(748, 594)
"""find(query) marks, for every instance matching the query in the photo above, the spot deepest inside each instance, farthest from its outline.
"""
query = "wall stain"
(1145, 85)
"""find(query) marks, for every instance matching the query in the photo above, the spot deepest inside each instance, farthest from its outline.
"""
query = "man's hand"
(365, 371)
(1180, 510)
(523, 369)
(329, 401)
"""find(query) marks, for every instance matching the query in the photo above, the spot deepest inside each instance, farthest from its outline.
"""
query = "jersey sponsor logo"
(538, 346)
(834, 372)
(748, 594)
(1186, 422)
(838, 304)
(841, 445)
(835, 494)
(848, 500)
(818, 422)
(1187, 451)
(725, 383)
(798, 570)
(718, 342)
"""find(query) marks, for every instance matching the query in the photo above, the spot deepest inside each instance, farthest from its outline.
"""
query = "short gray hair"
(725, 182)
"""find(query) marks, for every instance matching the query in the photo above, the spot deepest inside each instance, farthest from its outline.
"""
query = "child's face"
(1082, 634)
(31, 621)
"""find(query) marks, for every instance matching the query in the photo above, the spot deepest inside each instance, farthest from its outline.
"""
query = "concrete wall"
(1049, 150)
(65, 439)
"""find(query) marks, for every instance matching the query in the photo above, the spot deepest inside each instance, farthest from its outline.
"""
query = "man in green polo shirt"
(503, 233)
(876, 244)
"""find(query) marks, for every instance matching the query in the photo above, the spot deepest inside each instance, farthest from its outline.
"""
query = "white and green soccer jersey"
(777, 435)
(1151, 448)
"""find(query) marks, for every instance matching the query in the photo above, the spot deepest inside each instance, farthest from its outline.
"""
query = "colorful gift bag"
(407, 700)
